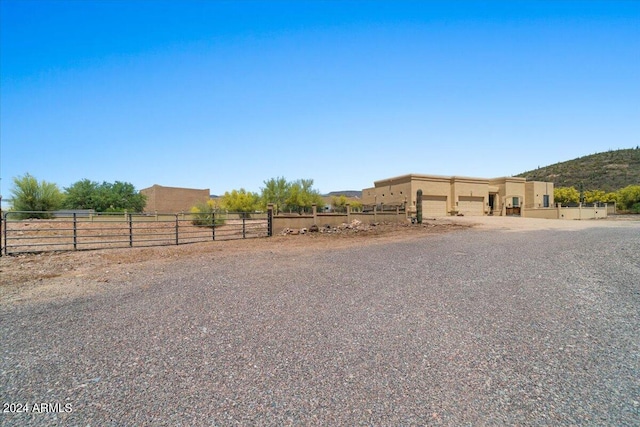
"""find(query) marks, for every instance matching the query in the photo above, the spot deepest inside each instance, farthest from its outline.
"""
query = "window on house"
(516, 201)
(545, 200)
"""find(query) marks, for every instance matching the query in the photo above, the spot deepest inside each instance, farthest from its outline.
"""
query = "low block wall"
(282, 221)
(545, 213)
(581, 212)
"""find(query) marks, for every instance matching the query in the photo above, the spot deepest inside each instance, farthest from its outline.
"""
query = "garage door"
(471, 206)
(434, 206)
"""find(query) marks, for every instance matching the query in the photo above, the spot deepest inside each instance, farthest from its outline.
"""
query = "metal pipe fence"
(33, 232)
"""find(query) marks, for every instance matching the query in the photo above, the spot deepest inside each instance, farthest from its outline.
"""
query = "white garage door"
(471, 206)
(434, 206)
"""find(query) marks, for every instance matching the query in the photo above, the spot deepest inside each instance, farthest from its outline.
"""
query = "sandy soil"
(31, 278)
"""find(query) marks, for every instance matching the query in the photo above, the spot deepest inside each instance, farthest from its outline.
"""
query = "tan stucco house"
(173, 199)
(452, 195)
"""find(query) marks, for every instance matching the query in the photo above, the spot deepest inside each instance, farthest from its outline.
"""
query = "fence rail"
(22, 233)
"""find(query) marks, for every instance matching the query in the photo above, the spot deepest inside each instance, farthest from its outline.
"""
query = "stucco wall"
(550, 213)
(535, 192)
(585, 212)
(280, 222)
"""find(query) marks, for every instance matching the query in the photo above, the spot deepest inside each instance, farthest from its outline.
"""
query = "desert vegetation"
(38, 197)
(627, 198)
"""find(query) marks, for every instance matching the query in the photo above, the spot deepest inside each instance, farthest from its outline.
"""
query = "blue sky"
(224, 95)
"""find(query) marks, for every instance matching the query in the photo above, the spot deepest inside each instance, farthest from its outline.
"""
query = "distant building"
(452, 195)
(173, 199)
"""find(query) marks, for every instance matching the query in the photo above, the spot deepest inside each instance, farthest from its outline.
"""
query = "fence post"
(270, 220)
(177, 229)
(244, 217)
(75, 231)
(348, 206)
(213, 225)
(5, 232)
(130, 230)
(314, 211)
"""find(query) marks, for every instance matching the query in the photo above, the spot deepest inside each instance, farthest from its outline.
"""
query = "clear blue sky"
(224, 95)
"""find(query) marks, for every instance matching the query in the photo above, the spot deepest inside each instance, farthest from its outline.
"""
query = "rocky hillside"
(607, 171)
(346, 193)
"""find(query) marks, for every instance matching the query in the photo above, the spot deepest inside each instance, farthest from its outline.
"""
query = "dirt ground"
(34, 277)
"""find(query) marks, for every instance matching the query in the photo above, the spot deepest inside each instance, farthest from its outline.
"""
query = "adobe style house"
(173, 199)
(453, 195)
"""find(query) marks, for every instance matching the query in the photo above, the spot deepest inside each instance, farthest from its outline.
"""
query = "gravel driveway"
(474, 327)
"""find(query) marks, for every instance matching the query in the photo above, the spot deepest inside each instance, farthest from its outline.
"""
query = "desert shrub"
(629, 197)
(206, 215)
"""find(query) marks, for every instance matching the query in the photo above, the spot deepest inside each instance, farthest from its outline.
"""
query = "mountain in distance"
(346, 193)
(608, 171)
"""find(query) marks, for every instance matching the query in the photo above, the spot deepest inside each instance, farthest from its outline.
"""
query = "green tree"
(105, 197)
(290, 196)
(629, 198)
(339, 203)
(81, 195)
(302, 196)
(30, 195)
(276, 191)
(593, 196)
(240, 201)
(566, 195)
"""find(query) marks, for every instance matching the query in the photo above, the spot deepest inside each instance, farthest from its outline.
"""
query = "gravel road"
(474, 327)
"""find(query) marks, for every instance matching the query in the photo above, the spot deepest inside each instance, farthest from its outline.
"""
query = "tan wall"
(469, 189)
(535, 192)
(369, 196)
(173, 199)
(548, 213)
(392, 193)
(514, 189)
(280, 222)
(431, 186)
(583, 213)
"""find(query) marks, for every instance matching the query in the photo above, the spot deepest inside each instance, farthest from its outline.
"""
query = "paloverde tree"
(276, 191)
(290, 196)
(629, 198)
(30, 195)
(302, 196)
(240, 201)
(566, 195)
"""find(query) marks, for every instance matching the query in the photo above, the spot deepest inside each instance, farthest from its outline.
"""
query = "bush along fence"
(32, 232)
